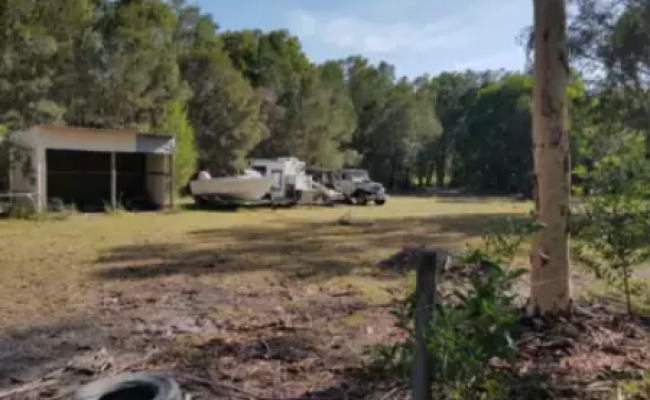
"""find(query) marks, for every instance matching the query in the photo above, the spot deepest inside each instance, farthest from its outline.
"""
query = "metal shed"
(92, 167)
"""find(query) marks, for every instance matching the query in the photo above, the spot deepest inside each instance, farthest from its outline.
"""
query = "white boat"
(248, 187)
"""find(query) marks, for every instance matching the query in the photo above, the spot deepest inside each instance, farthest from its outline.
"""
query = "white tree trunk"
(550, 274)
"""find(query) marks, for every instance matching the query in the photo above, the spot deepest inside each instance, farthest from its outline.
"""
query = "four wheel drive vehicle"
(354, 184)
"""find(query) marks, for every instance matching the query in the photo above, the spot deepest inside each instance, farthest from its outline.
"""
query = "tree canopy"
(166, 66)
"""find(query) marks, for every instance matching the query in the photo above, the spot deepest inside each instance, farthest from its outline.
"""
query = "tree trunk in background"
(430, 169)
(550, 274)
(441, 161)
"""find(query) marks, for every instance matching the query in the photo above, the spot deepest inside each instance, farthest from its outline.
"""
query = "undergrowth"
(611, 237)
(28, 214)
(474, 326)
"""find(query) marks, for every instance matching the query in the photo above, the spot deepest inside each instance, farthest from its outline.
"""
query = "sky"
(416, 36)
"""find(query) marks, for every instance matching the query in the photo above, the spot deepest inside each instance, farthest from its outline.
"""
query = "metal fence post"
(425, 294)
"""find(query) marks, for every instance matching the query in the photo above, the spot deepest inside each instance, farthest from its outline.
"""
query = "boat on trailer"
(281, 181)
(249, 187)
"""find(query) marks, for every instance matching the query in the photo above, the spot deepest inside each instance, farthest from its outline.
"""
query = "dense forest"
(166, 67)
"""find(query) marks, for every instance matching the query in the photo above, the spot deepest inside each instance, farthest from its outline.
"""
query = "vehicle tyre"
(361, 198)
(131, 386)
(297, 196)
(380, 202)
(200, 201)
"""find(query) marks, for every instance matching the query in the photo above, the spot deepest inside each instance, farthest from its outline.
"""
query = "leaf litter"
(287, 342)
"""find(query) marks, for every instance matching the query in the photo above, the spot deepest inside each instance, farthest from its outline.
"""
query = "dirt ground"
(265, 304)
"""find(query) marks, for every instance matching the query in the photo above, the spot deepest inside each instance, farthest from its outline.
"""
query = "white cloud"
(417, 36)
(379, 38)
(303, 23)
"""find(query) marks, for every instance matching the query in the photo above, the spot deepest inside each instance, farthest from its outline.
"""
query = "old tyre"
(380, 202)
(136, 386)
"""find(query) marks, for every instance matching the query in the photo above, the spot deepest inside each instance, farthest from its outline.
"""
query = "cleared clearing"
(53, 269)
(255, 296)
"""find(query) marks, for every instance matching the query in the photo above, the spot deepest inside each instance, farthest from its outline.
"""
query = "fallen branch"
(272, 325)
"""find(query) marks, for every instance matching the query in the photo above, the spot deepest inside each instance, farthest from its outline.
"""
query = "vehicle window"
(360, 176)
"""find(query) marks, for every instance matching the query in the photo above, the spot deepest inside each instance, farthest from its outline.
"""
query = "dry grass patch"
(131, 281)
(54, 268)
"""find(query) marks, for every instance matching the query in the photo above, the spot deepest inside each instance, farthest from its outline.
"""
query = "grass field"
(284, 299)
(126, 282)
(281, 302)
(52, 269)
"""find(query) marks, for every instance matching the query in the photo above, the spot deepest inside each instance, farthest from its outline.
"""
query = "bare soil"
(280, 342)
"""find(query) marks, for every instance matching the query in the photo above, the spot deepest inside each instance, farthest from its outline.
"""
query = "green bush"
(472, 328)
(611, 235)
(176, 123)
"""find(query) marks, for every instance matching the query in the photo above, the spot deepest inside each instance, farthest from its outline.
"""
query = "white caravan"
(288, 177)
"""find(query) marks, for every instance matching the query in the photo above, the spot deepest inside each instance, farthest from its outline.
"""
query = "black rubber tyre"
(200, 201)
(361, 198)
(380, 202)
(136, 386)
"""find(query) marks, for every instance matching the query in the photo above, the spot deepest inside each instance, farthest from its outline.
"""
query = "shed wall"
(138, 174)
(76, 139)
(158, 179)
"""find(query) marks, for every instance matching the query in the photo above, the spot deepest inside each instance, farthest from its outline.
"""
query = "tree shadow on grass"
(317, 251)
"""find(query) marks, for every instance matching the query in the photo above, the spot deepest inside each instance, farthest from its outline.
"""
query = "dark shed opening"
(84, 178)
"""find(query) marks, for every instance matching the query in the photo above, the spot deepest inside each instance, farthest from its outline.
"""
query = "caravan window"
(261, 169)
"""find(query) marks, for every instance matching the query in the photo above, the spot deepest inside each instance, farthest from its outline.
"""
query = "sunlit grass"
(50, 269)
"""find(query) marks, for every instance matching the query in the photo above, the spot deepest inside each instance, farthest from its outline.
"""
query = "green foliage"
(273, 60)
(27, 66)
(129, 64)
(5, 159)
(614, 221)
(176, 123)
(472, 329)
(313, 122)
(116, 210)
(501, 242)
(223, 109)
(495, 146)
(634, 389)
(23, 212)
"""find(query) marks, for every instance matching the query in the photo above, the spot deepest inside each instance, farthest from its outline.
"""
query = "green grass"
(52, 269)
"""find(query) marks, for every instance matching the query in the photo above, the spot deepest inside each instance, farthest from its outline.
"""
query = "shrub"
(611, 236)
(176, 123)
(472, 329)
